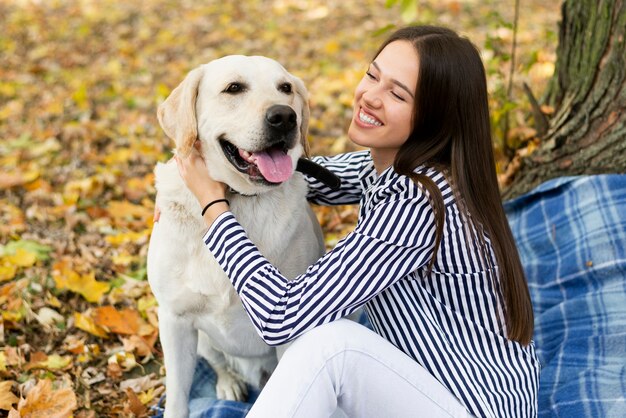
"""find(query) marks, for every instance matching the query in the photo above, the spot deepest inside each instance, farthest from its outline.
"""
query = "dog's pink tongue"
(274, 165)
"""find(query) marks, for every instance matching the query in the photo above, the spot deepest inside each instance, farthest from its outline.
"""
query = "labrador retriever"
(251, 117)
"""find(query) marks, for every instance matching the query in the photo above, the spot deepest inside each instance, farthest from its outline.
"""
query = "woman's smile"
(368, 120)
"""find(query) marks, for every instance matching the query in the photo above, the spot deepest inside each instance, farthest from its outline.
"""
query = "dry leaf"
(7, 398)
(40, 360)
(44, 402)
(124, 359)
(86, 285)
(134, 405)
(141, 384)
(85, 323)
(126, 321)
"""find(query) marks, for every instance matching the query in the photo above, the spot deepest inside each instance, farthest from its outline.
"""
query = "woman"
(432, 258)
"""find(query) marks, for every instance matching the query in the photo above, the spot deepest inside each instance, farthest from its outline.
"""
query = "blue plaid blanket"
(571, 234)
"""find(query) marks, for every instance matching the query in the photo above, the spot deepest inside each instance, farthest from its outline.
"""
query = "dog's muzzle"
(270, 165)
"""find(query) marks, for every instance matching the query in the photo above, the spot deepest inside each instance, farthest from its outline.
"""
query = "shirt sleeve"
(394, 239)
(351, 168)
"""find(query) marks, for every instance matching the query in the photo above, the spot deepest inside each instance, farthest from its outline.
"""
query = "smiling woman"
(431, 259)
(384, 102)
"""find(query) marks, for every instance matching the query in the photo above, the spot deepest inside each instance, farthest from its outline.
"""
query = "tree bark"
(587, 130)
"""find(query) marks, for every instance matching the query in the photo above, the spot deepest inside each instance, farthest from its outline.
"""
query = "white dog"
(251, 117)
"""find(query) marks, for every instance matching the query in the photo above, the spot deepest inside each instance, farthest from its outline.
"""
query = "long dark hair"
(451, 130)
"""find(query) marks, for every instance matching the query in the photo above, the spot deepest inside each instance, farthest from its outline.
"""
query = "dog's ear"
(177, 114)
(304, 126)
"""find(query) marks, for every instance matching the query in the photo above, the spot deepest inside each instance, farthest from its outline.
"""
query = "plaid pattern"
(571, 234)
(203, 402)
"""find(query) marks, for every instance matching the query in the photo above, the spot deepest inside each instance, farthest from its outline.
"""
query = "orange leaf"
(42, 401)
(120, 322)
(134, 405)
(85, 323)
(7, 398)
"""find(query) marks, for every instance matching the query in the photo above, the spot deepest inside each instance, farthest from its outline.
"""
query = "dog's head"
(251, 116)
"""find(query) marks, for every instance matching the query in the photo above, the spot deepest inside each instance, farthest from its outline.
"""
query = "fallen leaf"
(43, 401)
(7, 271)
(134, 405)
(85, 323)
(51, 362)
(126, 321)
(48, 316)
(7, 398)
(22, 258)
(124, 359)
(85, 285)
(141, 384)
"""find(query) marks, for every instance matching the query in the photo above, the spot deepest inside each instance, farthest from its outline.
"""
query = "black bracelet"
(212, 203)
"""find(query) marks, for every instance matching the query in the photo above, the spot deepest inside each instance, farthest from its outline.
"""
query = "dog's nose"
(281, 117)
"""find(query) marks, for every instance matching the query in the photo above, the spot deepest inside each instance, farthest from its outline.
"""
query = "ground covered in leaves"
(80, 81)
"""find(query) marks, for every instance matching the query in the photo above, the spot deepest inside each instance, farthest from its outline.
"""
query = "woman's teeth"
(368, 119)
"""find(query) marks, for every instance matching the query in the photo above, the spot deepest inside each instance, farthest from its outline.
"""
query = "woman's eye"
(370, 75)
(285, 88)
(397, 96)
(234, 88)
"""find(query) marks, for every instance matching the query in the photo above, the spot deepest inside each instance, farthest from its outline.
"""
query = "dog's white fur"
(192, 290)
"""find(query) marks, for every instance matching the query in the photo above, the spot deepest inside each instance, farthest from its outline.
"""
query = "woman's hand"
(194, 173)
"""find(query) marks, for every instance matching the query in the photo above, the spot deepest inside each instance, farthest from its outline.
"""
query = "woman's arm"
(394, 239)
(352, 168)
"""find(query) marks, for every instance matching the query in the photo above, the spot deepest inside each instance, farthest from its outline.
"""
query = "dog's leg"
(228, 386)
(179, 340)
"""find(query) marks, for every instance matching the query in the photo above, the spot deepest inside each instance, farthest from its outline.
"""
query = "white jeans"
(345, 365)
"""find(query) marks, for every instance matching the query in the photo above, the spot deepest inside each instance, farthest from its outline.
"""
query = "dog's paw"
(230, 388)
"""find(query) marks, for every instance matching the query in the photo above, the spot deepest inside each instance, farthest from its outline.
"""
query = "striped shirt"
(448, 319)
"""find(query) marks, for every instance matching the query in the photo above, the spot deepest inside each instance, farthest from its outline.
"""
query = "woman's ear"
(177, 114)
(304, 125)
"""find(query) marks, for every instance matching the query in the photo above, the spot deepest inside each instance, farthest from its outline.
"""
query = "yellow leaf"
(146, 302)
(147, 396)
(81, 98)
(13, 316)
(119, 156)
(7, 398)
(23, 258)
(3, 362)
(43, 401)
(86, 285)
(85, 188)
(7, 271)
(85, 323)
(126, 210)
(51, 362)
(331, 47)
(128, 237)
(53, 301)
(123, 259)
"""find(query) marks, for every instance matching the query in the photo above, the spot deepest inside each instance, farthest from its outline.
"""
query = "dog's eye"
(234, 88)
(285, 88)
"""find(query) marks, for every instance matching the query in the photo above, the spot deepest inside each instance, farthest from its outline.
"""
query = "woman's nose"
(372, 98)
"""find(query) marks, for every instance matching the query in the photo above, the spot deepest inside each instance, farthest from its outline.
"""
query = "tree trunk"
(587, 131)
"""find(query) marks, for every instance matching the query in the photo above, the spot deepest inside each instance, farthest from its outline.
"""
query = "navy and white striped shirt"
(449, 319)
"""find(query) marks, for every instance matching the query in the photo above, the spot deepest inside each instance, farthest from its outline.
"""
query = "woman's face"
(383, 102)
